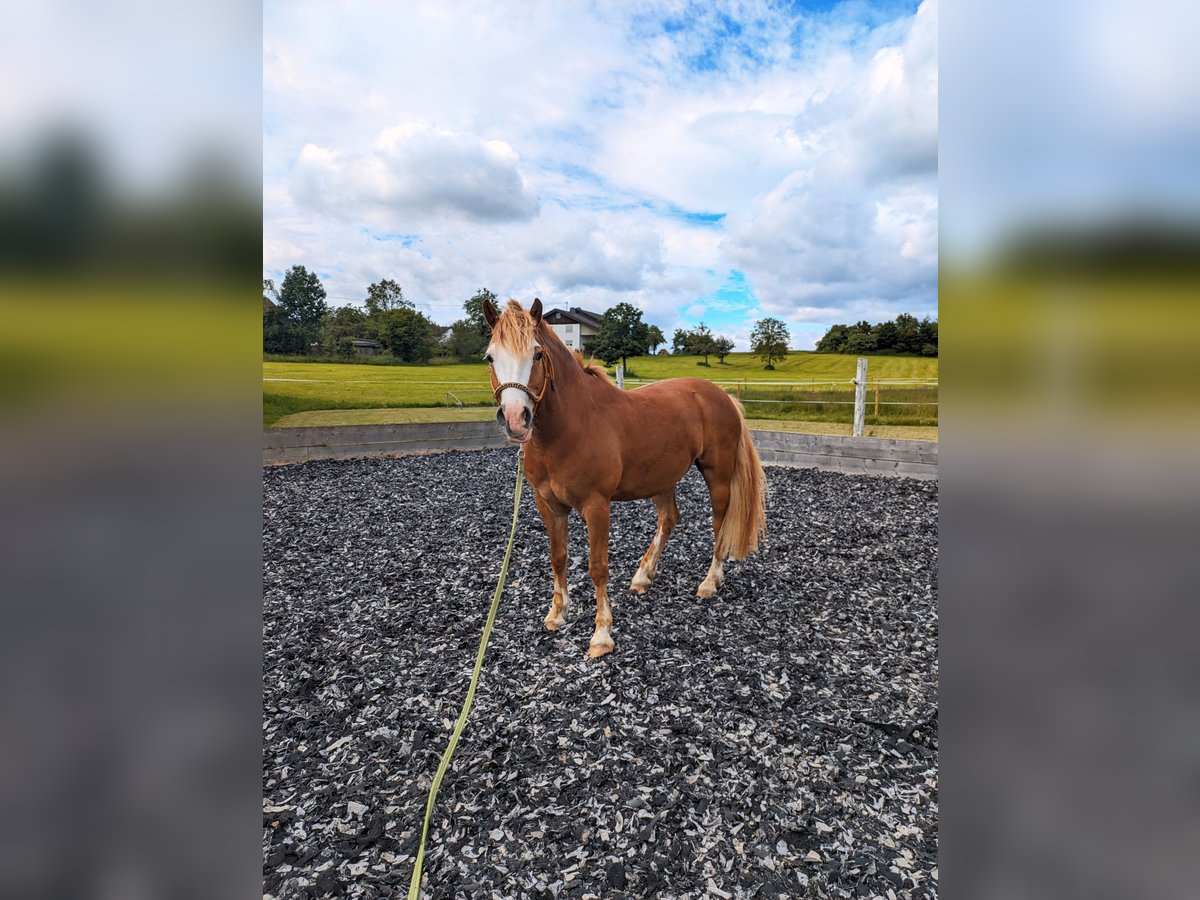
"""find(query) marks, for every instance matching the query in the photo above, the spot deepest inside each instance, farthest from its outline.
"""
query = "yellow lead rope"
(414, 887)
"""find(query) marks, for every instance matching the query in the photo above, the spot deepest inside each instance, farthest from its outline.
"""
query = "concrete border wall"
(292, 445)
(859, 456)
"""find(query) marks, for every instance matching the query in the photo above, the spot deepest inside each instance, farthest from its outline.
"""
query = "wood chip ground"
(779, 741)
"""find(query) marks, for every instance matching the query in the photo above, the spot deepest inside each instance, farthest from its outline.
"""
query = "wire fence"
(886, 401)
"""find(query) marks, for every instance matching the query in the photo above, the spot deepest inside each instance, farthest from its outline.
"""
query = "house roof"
(576, 315)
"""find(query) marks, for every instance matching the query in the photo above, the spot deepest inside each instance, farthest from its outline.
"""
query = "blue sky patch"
(726, 307)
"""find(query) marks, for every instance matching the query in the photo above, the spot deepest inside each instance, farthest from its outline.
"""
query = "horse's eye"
(537, 354)
(488, 358)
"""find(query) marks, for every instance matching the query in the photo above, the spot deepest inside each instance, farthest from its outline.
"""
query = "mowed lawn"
(300, 386)
(799, 366)
(291, 388)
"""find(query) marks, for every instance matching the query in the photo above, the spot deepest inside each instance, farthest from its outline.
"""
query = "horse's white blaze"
(513, 401)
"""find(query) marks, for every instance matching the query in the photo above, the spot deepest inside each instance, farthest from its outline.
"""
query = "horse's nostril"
(500, 415)
(528, 417)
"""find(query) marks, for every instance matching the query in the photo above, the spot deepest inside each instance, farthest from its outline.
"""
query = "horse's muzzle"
(522, 420)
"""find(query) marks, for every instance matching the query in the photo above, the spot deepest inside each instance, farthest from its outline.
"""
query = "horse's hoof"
(706, 591)
(553, 624)
(639, 585)
(595, 651)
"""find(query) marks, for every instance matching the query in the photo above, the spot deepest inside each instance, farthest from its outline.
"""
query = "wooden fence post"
(620, 376)
(860, 396)
(877, 400)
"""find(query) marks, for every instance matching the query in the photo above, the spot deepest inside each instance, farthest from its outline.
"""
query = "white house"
(577, 327)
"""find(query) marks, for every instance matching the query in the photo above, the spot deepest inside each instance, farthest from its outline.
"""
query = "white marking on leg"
(602, 641)
(562, 587)
(649, 565)
(557, 617)
(712, 580)
(655, 554)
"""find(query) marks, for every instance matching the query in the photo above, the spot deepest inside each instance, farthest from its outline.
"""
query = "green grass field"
(799, 366)
(298, 387)
(292, 388)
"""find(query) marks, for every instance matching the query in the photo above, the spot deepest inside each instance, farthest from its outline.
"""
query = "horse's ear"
(536, 310)
(489, 313)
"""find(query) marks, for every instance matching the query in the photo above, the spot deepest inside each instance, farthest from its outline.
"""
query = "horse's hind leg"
(668, 515)
(718, 482)
(555, 519)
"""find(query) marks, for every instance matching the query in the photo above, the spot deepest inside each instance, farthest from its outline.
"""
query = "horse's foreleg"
(555, 519)
(668, 515)
(596, 515)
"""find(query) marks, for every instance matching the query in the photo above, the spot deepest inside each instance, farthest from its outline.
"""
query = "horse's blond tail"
(746, 518)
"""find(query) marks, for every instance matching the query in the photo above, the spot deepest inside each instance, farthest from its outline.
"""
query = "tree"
(861, 339)
(405, 333)
(279, 333)
(681, 341)
(927, 335)
(834, 340)
(345, 322)
(302, 305)
(860, 343)
(474, 309)
(654, 337)
(385, 295)
(622, 334)
(722, 347)
(904, 335)
(885, 337)
(769, 340)
(701, 342)
(908, 338)
(465, 342)
(269, 290)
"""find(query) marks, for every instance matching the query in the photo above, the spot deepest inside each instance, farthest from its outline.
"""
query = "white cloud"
(415, 172)
(854, 225)
(559, 150)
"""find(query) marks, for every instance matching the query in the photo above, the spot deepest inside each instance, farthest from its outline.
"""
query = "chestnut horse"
(587, 443)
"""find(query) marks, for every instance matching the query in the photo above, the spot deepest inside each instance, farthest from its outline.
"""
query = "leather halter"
(547, 381)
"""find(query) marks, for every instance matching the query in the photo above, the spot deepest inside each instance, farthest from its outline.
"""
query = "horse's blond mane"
(515, 328)
(515, 331)
(592, 367)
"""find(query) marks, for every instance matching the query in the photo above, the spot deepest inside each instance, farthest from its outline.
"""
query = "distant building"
(364, 347)
(577, 327)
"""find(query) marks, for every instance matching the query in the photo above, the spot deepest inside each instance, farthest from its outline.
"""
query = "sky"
(713, 161)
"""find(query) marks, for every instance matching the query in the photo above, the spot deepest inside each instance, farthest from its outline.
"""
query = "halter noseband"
(547, 381)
